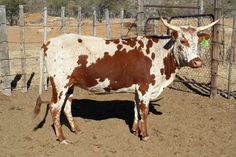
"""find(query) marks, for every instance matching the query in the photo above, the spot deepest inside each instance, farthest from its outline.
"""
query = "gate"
(188, 79)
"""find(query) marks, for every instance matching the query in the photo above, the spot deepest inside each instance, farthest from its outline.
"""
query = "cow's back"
(96, 64)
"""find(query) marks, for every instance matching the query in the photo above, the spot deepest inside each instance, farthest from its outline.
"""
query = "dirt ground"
(180, 124)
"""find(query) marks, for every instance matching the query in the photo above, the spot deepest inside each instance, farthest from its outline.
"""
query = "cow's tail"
(39, 100)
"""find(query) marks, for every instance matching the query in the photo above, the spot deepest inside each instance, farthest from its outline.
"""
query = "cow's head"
(186, 40)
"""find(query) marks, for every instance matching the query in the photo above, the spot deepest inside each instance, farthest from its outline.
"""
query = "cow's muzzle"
(195, 63)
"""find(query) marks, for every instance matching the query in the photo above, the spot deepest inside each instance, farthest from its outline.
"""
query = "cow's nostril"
(196, 63)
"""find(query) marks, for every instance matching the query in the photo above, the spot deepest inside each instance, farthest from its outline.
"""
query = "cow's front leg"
(142, 100)
(143, 110)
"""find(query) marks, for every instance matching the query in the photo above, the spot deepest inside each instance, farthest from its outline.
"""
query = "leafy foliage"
(114, 6)
(12, 10)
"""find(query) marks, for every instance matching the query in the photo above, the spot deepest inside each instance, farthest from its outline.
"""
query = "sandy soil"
(180, 124)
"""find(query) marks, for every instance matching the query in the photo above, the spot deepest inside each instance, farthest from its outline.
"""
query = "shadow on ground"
(100, 110)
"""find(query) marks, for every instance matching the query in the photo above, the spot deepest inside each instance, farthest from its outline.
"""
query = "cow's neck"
(170, 65)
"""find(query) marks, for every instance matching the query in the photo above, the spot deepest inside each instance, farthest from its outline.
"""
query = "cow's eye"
(180, 48)
(184, 42)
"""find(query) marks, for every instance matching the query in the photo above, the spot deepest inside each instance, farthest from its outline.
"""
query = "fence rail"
(17, 52)
(23, 52)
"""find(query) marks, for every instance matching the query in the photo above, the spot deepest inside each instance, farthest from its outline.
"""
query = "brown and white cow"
(143, 65)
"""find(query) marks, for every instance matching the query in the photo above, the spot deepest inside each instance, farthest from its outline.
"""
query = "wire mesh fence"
(192, 80)
(191, 77)
(199, 80)
(34, 37)
(187, 75)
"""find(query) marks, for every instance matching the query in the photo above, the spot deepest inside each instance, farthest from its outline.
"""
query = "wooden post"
(22, 47)
(42, 60)
(79, 20)
(63, 23)
(94, 21)
(201, 6)
(45, 23)
(231, 58)
(233, 41)
(121, 22)
(108, 27)
(200, 11)
(215, 49)
(140, 16)
(4, 55)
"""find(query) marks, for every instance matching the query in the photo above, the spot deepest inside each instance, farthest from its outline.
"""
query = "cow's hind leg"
(56, 105)
(55, 109)
(67, 111)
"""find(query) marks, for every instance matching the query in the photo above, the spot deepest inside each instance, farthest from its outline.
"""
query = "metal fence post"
(79, 20)
(94, 21)
(22, 47)
(200, 11)
(45, 36)
(108, 27)
(140, 16)
(63, 23)
(4, 54)
(121, 22)
(234, 38)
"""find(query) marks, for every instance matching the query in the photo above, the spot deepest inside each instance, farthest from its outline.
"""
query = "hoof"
(65, 142)
(135, 129)
(146, 138)
(135, 132)
(77, 131)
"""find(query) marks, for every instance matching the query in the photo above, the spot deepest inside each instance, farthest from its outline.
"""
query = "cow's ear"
(174, 35)
(202, 36)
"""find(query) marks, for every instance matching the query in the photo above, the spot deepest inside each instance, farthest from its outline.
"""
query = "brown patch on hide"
(189, 29)
(143, 88)
(123, 69)
(149, 45)
(130, 42)
(174, 35)
(201, 36)
(115, 41)
(185, 42)
(60, 95)
(153, 56)
(170, 65)
(54, 90)
(45, 48)
(79, 40)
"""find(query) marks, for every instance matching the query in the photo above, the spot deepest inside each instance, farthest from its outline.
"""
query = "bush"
(12, 10)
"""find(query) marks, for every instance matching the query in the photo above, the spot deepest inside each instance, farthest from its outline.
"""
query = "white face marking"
(186, 47)
(192, 50)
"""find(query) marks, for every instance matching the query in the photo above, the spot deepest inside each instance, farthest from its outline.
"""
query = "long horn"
(170, 26)
(208, 26)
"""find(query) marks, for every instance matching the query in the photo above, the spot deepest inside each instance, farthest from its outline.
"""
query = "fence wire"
(191, 80)
(199, 80)
(187, 77)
